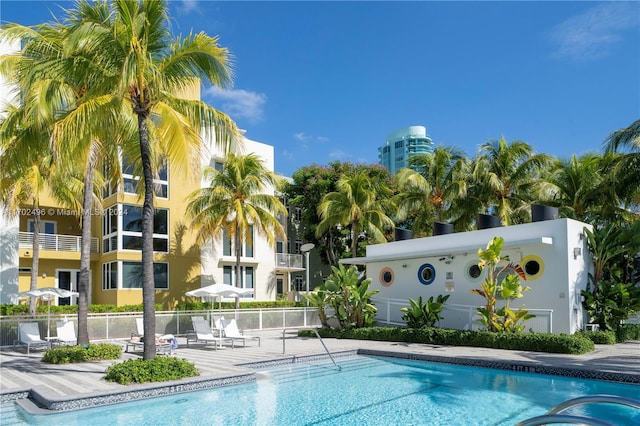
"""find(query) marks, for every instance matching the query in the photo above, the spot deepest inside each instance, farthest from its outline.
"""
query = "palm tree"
(429, 188)
(235, 202)
(58, 84)
(151, 70)
(627, 170)
(506, 178)
(627, 137)
(359, 204)
(25, 166)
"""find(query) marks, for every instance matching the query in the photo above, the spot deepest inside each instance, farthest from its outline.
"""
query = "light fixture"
(44, 275)
(577, 251)
(404, 265)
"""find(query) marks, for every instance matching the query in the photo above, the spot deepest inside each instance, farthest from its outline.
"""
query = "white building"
(553, 254)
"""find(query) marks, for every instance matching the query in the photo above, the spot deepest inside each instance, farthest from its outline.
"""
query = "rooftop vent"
(402, 234)
(540, 213)
(442, 228)
(486, 221)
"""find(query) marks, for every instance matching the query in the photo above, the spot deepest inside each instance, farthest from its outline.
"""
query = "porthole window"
(386, 276)
(533, 266)
(426, 274)
(472, 271)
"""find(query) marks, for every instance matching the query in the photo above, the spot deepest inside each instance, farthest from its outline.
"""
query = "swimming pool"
(366, 391)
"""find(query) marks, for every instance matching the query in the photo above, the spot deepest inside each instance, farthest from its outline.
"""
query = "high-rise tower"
(402, 145)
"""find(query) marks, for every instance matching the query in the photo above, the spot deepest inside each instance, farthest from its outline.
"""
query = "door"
(67, 280)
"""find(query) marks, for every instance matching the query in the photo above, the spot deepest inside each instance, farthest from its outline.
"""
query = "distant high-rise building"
(402, 145)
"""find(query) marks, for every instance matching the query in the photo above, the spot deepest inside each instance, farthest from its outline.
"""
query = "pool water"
(366, 391)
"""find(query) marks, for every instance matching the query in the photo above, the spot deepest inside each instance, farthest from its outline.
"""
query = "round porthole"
(426, 274)
(533, 266)
(473, 271)
(386, 276)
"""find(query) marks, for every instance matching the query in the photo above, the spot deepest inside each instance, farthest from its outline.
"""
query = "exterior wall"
(555, 287)
(413, 140)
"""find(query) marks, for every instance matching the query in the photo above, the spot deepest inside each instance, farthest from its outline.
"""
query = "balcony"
(55, 242)
(289, 261)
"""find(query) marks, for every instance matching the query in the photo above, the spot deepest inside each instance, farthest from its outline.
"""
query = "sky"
(329, 81)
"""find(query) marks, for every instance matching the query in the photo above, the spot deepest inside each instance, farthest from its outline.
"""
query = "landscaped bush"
(203, 306)
(600, 337)
(628, 332)
(159, 369)
(537, 342)
(94, 352)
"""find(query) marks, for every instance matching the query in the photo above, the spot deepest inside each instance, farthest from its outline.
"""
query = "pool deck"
(72, 386)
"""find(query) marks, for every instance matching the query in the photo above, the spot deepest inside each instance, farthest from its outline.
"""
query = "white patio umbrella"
(48, 293)
(219, 291)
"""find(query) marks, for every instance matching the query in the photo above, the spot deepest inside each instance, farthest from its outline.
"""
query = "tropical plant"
(500, 282)
(359, 203)
(613, 303)
(506, 178)
(427, 314)
(150, 72)
(605, 245)
(348, 295)
(235, 202)
(318, 299)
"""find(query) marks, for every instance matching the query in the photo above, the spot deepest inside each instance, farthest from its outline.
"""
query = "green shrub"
(426, 314)
(158, 369)
(94, 352)
(600, 337)
(628, 332)
(537, 342)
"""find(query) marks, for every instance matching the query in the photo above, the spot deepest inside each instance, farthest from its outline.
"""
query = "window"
(46, 226)
(110, 276)
(247, 277)
(248, 244)
(227, 275)
(299, 283)
(132, 275)
(297, 214)
(228, 246)
(218, 165)
(426, 274)
(386, 276)
(131, 180)
(279, 246)
(298, 246)
(399, 144)
(132, 228)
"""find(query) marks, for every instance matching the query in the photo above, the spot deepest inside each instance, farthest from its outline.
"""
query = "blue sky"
(324, 81)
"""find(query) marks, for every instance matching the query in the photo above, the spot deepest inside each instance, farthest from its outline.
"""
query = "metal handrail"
(315, 330)
(554, 416)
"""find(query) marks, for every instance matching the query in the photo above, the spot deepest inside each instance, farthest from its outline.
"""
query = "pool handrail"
(554, 416)
(315, 330)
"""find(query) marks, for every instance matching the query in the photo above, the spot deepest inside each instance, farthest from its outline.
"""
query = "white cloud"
(286, 154)
(593, 33)
(338, 154)
(238, 103)
(305, 138)
(189, 6)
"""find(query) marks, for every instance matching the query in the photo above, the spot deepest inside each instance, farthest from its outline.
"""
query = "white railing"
(461, 317)
(55, 242)
(120, 325)
(284, 260)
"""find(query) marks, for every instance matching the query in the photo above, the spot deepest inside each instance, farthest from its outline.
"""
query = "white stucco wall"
(555, 287)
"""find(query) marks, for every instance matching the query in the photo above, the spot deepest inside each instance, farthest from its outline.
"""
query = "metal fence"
(120, 325)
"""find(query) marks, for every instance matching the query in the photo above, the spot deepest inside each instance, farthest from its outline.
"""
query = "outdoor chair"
(66, 333)
(230, 330)
(165, 343)
(203, 333)
(29, 335)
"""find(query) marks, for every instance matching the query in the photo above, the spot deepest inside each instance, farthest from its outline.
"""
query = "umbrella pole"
(49, 318)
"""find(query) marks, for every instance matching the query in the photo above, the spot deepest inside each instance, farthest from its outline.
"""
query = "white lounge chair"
(165, 343)
(29, 334)
(230, 330)
(202, 333)
(66, 333)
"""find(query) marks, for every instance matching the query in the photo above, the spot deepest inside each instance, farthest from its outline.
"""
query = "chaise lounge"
(29, 335)
(230, 330)
(202, 333)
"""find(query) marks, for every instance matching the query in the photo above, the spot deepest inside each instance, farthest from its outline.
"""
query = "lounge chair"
(230, 330)
(202, 333)
(29, 334)
(165, 343)
(66, 333)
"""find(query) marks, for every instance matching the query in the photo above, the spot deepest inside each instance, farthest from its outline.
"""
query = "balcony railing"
(284, 260)
(55, 242)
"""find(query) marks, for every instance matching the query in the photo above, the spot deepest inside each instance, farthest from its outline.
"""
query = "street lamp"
(306, 248)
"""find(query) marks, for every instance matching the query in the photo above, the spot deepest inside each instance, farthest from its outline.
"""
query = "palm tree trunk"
(85, 253)
(36, 257)
(238, 267)
(148, 285)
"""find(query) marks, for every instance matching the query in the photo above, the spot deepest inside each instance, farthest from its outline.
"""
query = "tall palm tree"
(429, 188)
(359, 204)
(25, 166)
(148, 70)
(627, 169)
(506, 178)
(57, 83)
(627, 137)
(235, 202)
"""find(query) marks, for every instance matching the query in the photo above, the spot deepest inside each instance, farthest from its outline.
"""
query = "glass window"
(226, 245)
(248, 277)
(248, 245)
(110, 276)
(299, 283)
(227, 275)
(132, 275)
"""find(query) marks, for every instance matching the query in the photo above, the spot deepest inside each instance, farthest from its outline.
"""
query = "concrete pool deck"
(72, 386)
